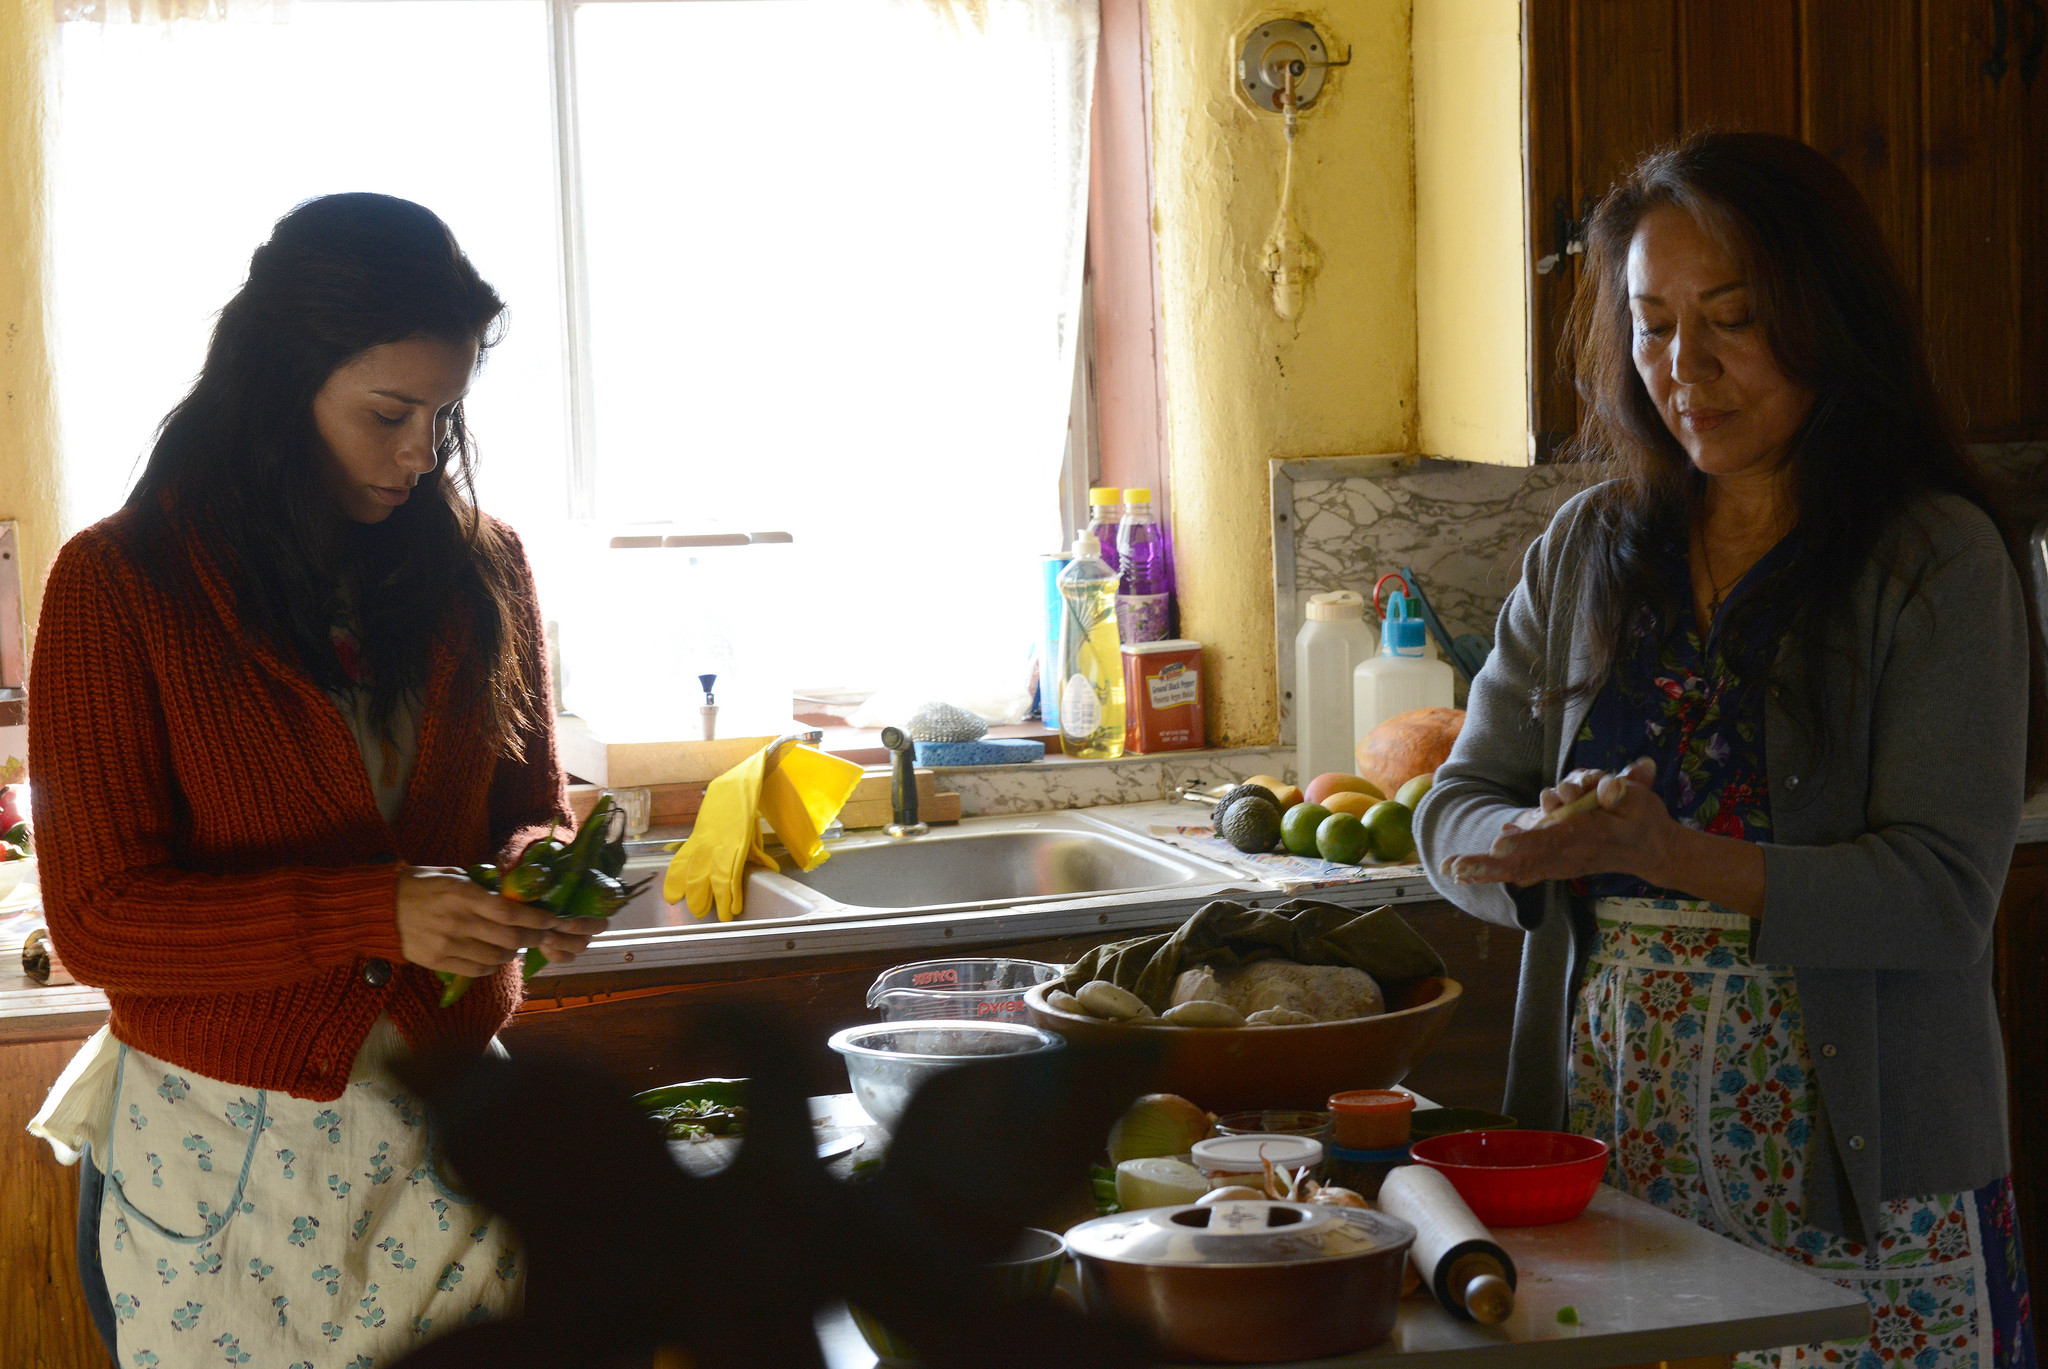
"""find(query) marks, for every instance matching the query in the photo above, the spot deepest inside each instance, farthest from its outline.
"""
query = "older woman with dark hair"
(1748, 758)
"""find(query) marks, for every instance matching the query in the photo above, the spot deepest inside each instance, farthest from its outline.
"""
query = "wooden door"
(1953, 160)
(1984, 249)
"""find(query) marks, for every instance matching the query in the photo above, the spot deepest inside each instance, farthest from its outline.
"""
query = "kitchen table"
(1644, 1286)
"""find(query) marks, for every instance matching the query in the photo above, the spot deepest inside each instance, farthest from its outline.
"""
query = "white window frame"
(1080, 465)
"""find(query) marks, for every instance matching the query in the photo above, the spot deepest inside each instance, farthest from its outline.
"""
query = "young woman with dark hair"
(1786, 651)
(281, 698)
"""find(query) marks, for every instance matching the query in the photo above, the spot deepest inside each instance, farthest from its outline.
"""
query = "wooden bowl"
(1226, 1069)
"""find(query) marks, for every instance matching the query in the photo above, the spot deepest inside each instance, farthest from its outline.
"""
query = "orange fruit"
(1322, 786)
(1357, 805)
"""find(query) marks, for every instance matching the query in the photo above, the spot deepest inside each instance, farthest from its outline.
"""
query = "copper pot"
(1246, 1282)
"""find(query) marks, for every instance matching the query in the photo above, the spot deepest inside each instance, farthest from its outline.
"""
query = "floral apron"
(1691, 1062)
(248, 1227)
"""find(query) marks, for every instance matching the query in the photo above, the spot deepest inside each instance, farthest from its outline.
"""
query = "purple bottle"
(1105, 505)
(1144, 591)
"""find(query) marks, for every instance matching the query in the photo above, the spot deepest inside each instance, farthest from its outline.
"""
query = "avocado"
(1252, 824)
(1232, 795)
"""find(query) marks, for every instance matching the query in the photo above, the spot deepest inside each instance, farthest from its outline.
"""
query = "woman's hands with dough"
(1596, 823)
(446, 922)
(1593, 823)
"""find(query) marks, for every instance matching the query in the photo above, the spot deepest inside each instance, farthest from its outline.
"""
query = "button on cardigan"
(212, 855)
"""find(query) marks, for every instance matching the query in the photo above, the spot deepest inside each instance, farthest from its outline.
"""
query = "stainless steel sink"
(981, 863)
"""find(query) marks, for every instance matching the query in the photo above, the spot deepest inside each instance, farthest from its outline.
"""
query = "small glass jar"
(1276, 1122)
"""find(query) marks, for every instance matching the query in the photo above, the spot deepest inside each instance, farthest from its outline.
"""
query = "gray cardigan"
(1890, 850)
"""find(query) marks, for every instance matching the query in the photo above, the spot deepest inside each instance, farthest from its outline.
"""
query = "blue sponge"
(987, 751)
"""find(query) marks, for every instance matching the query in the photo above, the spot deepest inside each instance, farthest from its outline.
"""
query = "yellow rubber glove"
(801, 796)
(711, 869)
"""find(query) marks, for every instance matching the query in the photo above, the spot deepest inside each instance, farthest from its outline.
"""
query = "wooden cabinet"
(44, 1323)
(1938, 111)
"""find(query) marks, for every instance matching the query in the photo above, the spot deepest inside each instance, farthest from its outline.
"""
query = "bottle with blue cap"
(1406, 675)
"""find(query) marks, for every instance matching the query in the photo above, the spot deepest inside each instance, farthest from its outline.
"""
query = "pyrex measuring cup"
(986, 990)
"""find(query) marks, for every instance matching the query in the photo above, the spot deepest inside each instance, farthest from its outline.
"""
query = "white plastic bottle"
(1333, 642)
(1405, 675)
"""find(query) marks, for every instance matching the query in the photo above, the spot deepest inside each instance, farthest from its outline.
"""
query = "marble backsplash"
(1342, 522)
(991, 790)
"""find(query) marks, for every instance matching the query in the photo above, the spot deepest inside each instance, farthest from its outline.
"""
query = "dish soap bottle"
(1406, 675)
(1091, 661)
(1333, 642)
(1144, 589)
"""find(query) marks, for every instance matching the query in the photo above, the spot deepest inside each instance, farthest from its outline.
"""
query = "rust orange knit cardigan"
(211, 851)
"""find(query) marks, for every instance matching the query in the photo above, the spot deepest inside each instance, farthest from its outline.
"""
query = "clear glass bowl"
(981, 990)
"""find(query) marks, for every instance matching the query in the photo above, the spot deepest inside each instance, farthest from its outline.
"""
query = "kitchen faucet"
(902, 784)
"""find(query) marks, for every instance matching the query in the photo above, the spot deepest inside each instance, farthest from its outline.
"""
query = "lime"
(1298, 827)
(1411, 793)
(1342, 838)
(1388, 827)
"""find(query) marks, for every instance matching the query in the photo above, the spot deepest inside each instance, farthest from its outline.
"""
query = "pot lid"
(1239, 1233)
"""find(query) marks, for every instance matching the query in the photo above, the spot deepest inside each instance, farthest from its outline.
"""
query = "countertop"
(1646, 1286)
(31, 1012)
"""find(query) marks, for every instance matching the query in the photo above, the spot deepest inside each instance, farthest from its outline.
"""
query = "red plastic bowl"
(1518, 1178)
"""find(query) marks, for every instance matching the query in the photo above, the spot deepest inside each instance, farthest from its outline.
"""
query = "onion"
(1231, 1193)
(1157, 1124)
(1158, 1182)
(1338, 1197)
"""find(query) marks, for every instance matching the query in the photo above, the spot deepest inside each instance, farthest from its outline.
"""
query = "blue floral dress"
(1690, 1059)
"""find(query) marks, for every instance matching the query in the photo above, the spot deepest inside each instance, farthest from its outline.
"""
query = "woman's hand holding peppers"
(447, 923)
(1600, 823)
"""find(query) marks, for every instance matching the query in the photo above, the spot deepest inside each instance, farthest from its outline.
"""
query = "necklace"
(1707, 564)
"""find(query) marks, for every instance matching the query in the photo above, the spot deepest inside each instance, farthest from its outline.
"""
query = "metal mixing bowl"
(887, 1061)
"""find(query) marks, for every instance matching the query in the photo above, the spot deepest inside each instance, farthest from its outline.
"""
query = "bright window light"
(832, 292)
(178, 147)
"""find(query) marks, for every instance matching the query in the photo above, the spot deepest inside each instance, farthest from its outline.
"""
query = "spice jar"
(1372, 1119)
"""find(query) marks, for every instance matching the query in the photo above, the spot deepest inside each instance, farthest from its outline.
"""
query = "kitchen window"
(809, 267)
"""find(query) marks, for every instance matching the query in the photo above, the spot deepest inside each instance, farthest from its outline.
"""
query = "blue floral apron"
(1690, 1061)
(248, 1227)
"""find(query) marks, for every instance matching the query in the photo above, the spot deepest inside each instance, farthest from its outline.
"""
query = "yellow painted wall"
(29, 484)
(1470, 302)
(1242, 387)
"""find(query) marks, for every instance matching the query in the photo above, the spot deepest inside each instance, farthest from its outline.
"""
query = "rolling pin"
(1457, 1257)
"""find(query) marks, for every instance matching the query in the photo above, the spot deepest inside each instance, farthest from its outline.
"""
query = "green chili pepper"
(573, 879)
(526, 883)
(546, 854)
(599, 895)
(556, 900)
